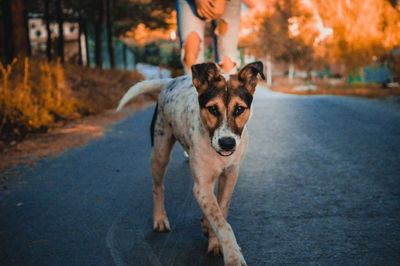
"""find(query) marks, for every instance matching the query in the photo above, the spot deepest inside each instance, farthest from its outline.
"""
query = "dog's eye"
(213, 110)
(238, 110)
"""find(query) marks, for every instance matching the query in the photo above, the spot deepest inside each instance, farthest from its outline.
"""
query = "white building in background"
(38, 38)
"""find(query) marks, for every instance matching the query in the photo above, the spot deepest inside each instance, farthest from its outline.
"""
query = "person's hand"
(210, 9)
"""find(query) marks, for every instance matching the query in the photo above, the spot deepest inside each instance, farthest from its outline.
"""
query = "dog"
(207, 114)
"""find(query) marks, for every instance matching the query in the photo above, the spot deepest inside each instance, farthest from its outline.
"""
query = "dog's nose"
(227, 143)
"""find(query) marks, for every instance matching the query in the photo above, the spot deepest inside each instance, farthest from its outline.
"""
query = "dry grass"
(37, 96)
(47, 108)
(99, 90)
(33, 97)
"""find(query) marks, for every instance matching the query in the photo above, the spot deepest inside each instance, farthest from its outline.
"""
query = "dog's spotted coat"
(207, 114)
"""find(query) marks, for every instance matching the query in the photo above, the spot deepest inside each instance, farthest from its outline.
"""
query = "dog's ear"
(249, 75)
(203, 74)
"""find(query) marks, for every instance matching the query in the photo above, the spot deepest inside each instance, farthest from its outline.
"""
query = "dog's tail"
(147, 86)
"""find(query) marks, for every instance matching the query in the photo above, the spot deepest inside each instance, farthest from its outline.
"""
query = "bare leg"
(191, 48)
(227, 65)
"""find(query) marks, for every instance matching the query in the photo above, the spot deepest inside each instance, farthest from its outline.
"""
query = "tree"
(19, 28)
(119, 17)
(274, 37)
(7, 32)
(15, 29)
(47, 21)
(109, 23)
(60, 22)
(85, 12)
(154, 14)
(99, 5)
(363, 30)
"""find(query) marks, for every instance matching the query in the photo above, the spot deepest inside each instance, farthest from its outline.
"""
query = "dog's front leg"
(226, 184)
(203, 191)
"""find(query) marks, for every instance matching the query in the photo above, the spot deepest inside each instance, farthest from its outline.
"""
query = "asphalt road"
(320, 185)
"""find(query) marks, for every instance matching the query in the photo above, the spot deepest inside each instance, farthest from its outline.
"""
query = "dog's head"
(225, 102)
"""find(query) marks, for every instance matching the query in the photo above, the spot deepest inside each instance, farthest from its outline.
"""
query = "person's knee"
(191, 47)
(222, 27)
(227, 64)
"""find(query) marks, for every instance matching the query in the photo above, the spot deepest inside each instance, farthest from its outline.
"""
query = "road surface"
(320, 185)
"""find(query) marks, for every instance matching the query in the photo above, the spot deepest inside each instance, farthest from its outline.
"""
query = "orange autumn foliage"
(33, 96)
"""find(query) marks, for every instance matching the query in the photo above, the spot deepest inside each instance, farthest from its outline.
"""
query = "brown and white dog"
(207, 113)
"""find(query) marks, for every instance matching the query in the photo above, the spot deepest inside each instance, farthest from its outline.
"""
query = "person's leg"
(190, 50)
(191, 34)
(227, 31)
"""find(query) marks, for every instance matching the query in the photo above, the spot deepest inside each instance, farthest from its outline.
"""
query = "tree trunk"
(269, 70)
(7, 31)
(124, 56)
(291, 72)
(309, 77)
(28, 40)
(47, 21)
(80, 59)
(110, 42)
(84, 25)
(362, 74)
(60, 22)
(99, 32)
(19, 33)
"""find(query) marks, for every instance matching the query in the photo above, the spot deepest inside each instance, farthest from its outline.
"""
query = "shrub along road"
(320, 184)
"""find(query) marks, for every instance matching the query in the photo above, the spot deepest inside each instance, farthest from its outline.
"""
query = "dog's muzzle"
(227, 145)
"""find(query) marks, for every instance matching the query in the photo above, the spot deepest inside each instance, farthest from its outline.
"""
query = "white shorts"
(226, 44)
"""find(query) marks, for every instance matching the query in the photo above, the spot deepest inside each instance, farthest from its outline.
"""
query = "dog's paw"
(205, 226)
(161, 224)
(234, 257)
(214, 248)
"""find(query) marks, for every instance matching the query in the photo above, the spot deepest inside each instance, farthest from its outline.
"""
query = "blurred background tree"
(303, 34)
(363, 31)
(15, 36)
(109, 18)
(309, 33)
